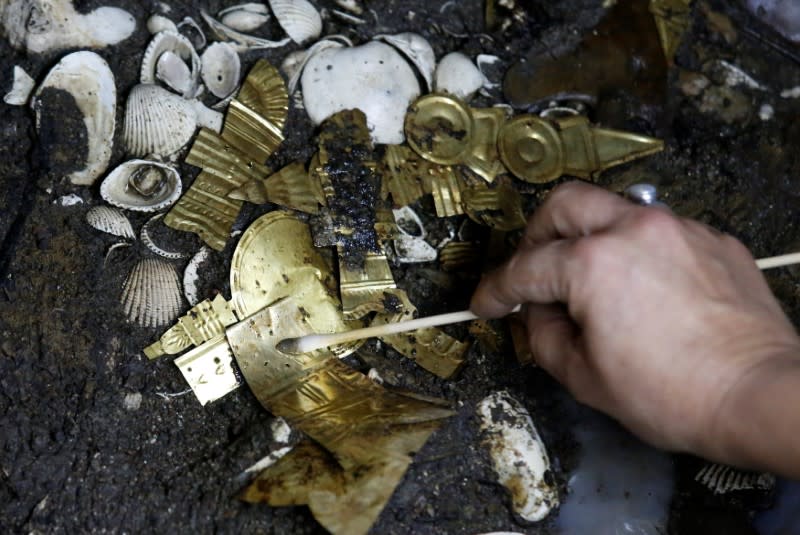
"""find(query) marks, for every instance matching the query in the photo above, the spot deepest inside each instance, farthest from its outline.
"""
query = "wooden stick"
(778, 261)
(312, 342)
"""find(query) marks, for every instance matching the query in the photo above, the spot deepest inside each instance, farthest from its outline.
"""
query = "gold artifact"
(672, 21)
(498, 207)
(291, 187)
(365, 288)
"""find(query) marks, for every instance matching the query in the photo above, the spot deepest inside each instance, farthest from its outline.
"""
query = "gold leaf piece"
(443, 183)
(365, 288)
(672, 21)
(439, 128)
(483, 158)
(432, 348)
(460, 256)
(209, 370)
(255, 120)
(539, 151)
(499, 207)
(204, 321)
(403, 172)
(291, 187)
(486, 335)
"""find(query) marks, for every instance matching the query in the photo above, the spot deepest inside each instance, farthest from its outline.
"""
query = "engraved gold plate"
(209, 370)
(364, 289)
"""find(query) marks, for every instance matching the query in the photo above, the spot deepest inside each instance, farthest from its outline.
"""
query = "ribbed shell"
(152, 246)
(722, 479)
(116, 189)
(221, 69)
(299, 19)
(110, 220)
(151, 295)
(179, 45)
(157, 123)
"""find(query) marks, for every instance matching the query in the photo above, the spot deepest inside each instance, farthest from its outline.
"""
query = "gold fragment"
(445, 186)
(365, 289)
(444, 130)
(431, 348)
(499, 207)
(672, 21)
(291, 187)
(403, 173)
(204, 321)
(486, 335)
(255, 120)
(461, 257)
(205, 208)
(540, 151)
(209, 370)
(519, 338)
(385, 224)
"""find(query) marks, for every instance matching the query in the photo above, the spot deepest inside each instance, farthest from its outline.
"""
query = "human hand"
(659, 321)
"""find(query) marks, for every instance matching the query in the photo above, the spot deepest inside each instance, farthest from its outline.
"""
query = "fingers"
(553, 339)
(539, 275)
(573, 210)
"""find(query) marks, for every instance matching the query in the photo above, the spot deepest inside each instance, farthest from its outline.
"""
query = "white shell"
(299, 19)
(241, 41)
(160, 23)
(191, 275)
(294, 62)
(221, 69)
(118, 188)
(110, 220)
(151, 245)
(199, 41)
(151, 294)
(171, 58)
(411, 247)
(518, 455)
(373, 78)
(457, 75)
(244, 17)
(722, 479)
(87, 77)
(21, 89)
(159, 123)
(417, 49)
(40, 26)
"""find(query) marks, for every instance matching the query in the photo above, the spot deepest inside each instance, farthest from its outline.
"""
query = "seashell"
(457, 75)
(159, 123)
(142, 186)
(191, 30)
(191, 275)
(295, 62)
(242, 42)
(151, 294)
(166, 59)
(299, 19)
(410, 246)
(111, 221)
(41, 26)
(723, 479)
(373, 78)
(350, 5)
(518, 455)
(21, 89)
(417, 49)
(148, 242)
(244, 17)
(160, 23)
(87, 77)
(69, 200)
(221, 69)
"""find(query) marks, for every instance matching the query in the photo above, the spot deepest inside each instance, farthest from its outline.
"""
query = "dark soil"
(96, 438)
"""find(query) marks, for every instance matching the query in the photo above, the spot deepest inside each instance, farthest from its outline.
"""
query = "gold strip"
(403, 173)
(365, 290)
(446, 189)
(460, 257)
(264, 91)
(251, 133)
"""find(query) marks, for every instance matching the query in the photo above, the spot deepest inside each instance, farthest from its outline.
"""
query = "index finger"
(575, 209)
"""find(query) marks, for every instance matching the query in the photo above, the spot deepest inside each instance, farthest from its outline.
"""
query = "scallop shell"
(151, 294)
(160, 23)
(87, 77)
(41, 26)
(299, 19)
(417, 49)
(159, 123)
(723, 479)
(373, 78)
(142, 186)
(21, 89)
(518, 455)
(457, 75)
(221, 69)
(110, 220)
(170, 57)
(244, 17)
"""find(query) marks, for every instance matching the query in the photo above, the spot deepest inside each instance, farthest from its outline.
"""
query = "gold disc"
(531, 149)
(439, 128)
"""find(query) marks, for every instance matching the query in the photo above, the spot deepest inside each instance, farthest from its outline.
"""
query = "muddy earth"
(96, 438)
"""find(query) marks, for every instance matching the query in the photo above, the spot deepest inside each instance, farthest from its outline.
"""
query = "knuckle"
(564, 192)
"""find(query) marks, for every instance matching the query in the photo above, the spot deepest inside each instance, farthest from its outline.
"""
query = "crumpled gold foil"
(291, 187)
(498, 207)
(365, 288)
(460, 257)
(672, 20)
(403, 174)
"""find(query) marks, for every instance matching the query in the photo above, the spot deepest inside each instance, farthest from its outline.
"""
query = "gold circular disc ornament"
(439, 128)
(531, 149)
